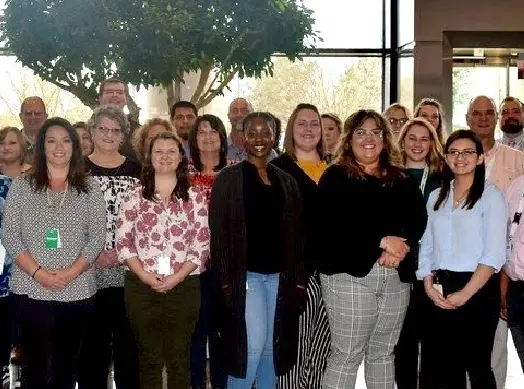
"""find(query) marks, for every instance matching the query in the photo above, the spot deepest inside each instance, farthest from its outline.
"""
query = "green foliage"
(78, 43)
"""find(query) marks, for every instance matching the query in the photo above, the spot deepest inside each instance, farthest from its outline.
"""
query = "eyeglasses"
(398, 122)
(106, 131)
(463, 153)
(364, 134)
(33, 113)
(117, 92)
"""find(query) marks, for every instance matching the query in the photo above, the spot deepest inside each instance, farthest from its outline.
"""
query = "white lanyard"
(424, 179)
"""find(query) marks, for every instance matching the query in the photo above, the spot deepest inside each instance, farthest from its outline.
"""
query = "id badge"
(509, 249)
(164, 265)
(438, 288)
(52, 239)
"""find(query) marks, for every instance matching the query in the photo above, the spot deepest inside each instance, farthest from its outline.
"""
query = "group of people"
(358, 241)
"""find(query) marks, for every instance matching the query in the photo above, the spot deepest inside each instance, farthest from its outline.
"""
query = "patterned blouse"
(5, 277)
(81, 221)
(148, 229)
(114, 182)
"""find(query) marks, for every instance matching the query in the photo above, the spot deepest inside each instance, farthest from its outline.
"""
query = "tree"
(308, 81)
(76, 44)
(20, 83)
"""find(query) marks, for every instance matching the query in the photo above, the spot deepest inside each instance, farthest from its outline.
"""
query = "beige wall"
(441, 25)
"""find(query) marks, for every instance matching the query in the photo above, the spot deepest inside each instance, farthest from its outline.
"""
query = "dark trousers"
(462, 338)
(163, 325)
(109, 337)
(51, 334)
(201, 335)
(5, 331)
(414, 329)
(516, 316)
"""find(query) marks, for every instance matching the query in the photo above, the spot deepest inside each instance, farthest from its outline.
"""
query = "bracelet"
(38, 268)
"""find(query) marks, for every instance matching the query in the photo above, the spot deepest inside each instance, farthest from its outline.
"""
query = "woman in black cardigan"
(376, 215)
(256, 251)
(303, 159)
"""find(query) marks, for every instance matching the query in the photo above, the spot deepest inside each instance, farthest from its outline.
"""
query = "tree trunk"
(134, 109)
(173, 94)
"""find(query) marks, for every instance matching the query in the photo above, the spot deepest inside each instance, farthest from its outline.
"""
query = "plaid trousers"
(365, 317)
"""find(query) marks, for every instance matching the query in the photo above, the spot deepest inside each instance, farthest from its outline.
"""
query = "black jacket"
(228, 268)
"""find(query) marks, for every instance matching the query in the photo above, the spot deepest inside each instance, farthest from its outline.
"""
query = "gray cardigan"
(82, 225)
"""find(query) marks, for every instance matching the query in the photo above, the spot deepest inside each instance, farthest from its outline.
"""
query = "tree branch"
(203, 100)
(205, 71)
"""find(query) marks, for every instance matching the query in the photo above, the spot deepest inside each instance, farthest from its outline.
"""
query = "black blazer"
(228, 268)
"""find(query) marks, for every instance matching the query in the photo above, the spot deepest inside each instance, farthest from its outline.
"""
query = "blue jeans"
(261, 299)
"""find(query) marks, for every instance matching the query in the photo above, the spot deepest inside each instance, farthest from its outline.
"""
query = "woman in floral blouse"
(163, 236)
(208, 150)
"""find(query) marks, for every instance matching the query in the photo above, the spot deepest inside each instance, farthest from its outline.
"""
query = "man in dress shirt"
(515, 267)
(511, 123)
(503, 164)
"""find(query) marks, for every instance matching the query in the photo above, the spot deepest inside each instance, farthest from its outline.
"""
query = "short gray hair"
(112, 112)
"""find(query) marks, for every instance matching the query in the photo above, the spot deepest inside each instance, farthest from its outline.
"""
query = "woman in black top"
(376, 214)
(256, 258)
(110, 336)
(303, 159)
(423, 160)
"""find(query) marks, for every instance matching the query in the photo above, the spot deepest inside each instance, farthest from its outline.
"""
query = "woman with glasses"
(397, 115)
(375, 216)
(303, 159)
(462, 249)
(431, 110)
(110, 336)
(423, 159)
(208, 150)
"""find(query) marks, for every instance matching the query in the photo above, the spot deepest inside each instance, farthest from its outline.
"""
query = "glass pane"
(516, 86)
(20, 82)
(406, 82)
(469, 82)
(406, 22)
(348, 24)
(337, 85)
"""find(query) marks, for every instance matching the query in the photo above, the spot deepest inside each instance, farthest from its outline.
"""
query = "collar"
(513, 139)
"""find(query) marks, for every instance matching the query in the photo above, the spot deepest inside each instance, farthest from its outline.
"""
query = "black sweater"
(358, 213)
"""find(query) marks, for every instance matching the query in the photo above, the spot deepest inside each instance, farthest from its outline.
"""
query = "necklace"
(460, 199)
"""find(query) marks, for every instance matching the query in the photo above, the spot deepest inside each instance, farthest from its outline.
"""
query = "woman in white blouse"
(462, 248)
(163, 236)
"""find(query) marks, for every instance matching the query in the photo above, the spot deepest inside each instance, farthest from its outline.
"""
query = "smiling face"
(10, 148)
(58, 147)
(431, 114)
(417, 143)
(258, 139)
(307, 130)
(165, 156)
(482, 117)
(462, 157)
(367, 142)
(208, 139)
(107, 136)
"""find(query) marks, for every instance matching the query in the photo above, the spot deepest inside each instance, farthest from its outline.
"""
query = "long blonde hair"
(435, 157)
(390, 162)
